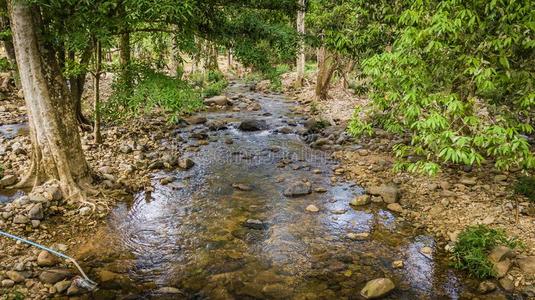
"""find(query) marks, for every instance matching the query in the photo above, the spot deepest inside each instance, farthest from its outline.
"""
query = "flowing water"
(197, 234)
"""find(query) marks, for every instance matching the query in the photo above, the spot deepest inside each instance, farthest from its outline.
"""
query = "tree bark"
(326, 67)
(56, 147)
(300, 64)
(124, 58)
(96, 86)
(8, 43)
(76, 85)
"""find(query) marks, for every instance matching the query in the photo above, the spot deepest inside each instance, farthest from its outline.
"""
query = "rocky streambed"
(246, 202)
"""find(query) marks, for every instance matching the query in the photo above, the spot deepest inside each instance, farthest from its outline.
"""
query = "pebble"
(312, 208)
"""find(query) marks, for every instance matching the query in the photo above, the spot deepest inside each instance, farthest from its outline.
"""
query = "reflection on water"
(211, 240)
(12, 130)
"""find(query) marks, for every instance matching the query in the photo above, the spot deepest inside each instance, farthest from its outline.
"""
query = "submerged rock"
(54, 276)
(360, 200)
(255, 224)
(377, 288)
(312, 208)
(186, 163)
(298, 189)
(253, 125)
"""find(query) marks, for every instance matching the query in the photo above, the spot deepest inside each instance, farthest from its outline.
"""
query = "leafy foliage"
(152, 89)
(459, 80)
(473, 247)
(526, 186)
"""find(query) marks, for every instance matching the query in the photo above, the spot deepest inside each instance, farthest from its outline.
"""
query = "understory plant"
(458, 80)
(526, 186)
(473, 246)
(151, 89)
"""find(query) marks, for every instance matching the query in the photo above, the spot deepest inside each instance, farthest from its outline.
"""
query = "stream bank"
(234, 204)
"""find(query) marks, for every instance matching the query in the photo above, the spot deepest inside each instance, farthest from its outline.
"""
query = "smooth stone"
(298, 189)
(46, 259)
(15, 276)
(527, 264)
(312, 208)
(360, 200)
(486, 287)
(377, 288)
(395, 207)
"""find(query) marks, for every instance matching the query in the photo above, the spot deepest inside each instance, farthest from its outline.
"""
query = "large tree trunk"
(326, 67)
(56, 147)
(300, 65)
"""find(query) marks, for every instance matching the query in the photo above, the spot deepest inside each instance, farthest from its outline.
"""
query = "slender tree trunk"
(56, 147)
(300, 65)
(124, 58)
(96, 84)
(326, 67)
(76, 85)
(7, 42)
(211, 63)
(229, 58)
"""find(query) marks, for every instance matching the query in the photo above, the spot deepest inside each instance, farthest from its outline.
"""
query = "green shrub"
(458, 79)
(4, 64)
(526, 186)
(473, 246)
(152, 89)
(214, 89)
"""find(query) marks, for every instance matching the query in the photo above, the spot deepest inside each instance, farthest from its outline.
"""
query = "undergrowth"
(526, 186)
(473, 246)
(151, 89)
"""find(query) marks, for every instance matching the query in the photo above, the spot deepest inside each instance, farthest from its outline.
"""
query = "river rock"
(46, 259)
(167, 180)
(186, 163)
(360, 200)
(255, 224)
(253, 125)
(389, 193)
(501, 268)
(62, 286)
(20, 219)
(8, 180)
(216, 125)
(84, 211)
(15, 276)
(36, 212)
(298, 189)
(217, 100)
(507, 284)
(168, 290)
(486, 287)
(500, 253)
(312, 208)
(53, 276)
(194, 120)
(377, 288)
(242, 187)
(53, 193)
(8, 283)
(527, 264)
(395, 207)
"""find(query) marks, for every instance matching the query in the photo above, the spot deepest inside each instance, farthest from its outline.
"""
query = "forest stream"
(228, 228)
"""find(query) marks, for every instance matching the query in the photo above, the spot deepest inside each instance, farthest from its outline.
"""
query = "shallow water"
(10, 131)
(191, 234)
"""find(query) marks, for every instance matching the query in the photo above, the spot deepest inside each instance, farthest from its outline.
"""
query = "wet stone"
(298, 189)
(255, 224)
